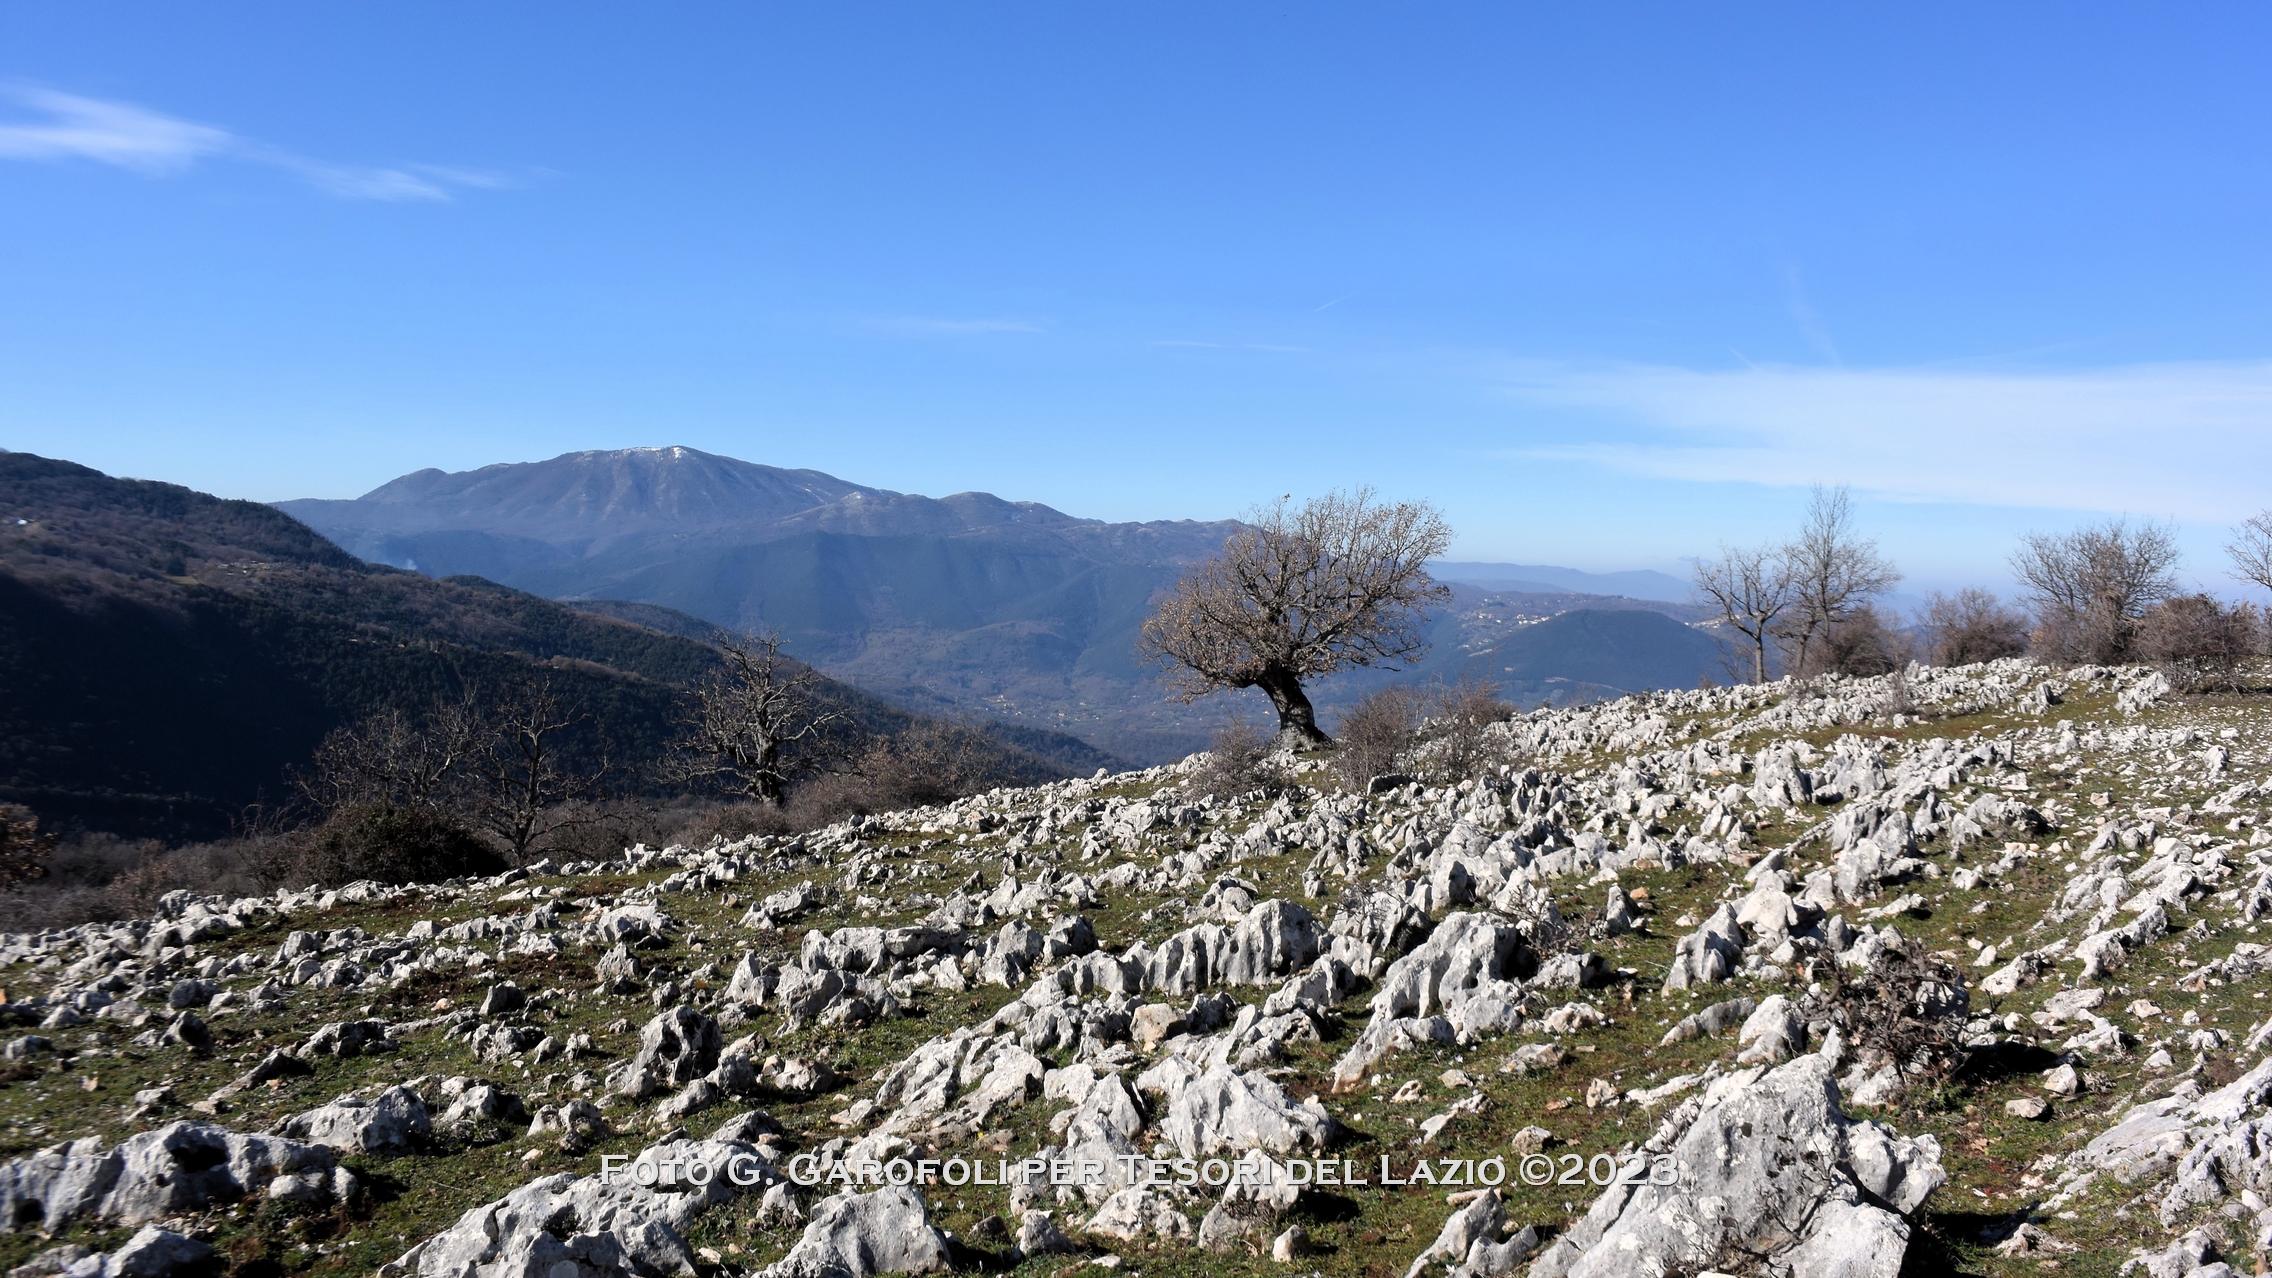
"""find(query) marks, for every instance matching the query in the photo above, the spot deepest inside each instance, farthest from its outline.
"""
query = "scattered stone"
(394, 1122)
(1038, 1234)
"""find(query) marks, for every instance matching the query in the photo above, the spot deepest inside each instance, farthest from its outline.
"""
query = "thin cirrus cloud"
(157, 145)
(2190, 440)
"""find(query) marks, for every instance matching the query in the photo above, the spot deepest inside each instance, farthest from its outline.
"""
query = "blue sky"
(1610, 284)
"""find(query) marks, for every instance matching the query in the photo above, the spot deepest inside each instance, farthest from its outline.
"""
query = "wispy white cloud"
(955, 327)
(2190, 440)
(157, 145)
(111, 132)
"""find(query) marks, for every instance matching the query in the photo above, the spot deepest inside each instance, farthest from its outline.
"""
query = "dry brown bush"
(1859, 644)
(1238, 763)
(1375, 734)
(2200, 642)
(1454, 730)
(1970, 626)
(23, 849)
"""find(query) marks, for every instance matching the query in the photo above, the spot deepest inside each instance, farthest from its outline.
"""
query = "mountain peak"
(579, 498)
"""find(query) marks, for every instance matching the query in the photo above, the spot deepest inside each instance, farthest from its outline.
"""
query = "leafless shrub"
(1899, 697)
(1907, 1010)
(1302, 592)
(1238, 762)
(732, 822)
(1970, 626)
(2201, 642)
(1860, 644)
(393, 759)
(932, 761)
(1454, 733)
(2089, 587)
(99, 877)
(1375, 734)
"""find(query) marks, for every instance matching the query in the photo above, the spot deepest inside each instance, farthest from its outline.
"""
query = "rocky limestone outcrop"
(569, 1226)
(1769, 1167)
(393, 1122)
(178, 1168)
(856, 1235)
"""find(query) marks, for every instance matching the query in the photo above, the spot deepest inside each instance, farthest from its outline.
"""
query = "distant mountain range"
(166, 655)
(967, 604)
(1539, 578)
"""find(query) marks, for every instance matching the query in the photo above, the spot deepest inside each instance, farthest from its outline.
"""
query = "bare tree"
(1971, 625)
(759, 723)
(1339, 582)
(392, 759)
(1832, 572)
(2090, 586)
(1752, 589)
(2251, 549)
(530, 781)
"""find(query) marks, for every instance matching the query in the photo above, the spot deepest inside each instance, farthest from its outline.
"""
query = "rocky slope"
(1639, 948)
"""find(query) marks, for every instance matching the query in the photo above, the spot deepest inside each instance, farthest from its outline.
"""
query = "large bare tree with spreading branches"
(1833, 572)
(759, 722)
(2091, 586)
(1301, 592)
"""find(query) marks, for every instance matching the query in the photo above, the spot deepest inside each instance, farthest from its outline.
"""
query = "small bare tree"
(2090, 586)
(759, 723)
(1752, 588)
(1455, 727)
(2251, 549)
(1339, 582)
(1832, 572)
(1971, 625)
(530, 782)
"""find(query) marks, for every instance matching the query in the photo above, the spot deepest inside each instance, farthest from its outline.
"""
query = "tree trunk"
(1294, 713)
(1759, 657)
